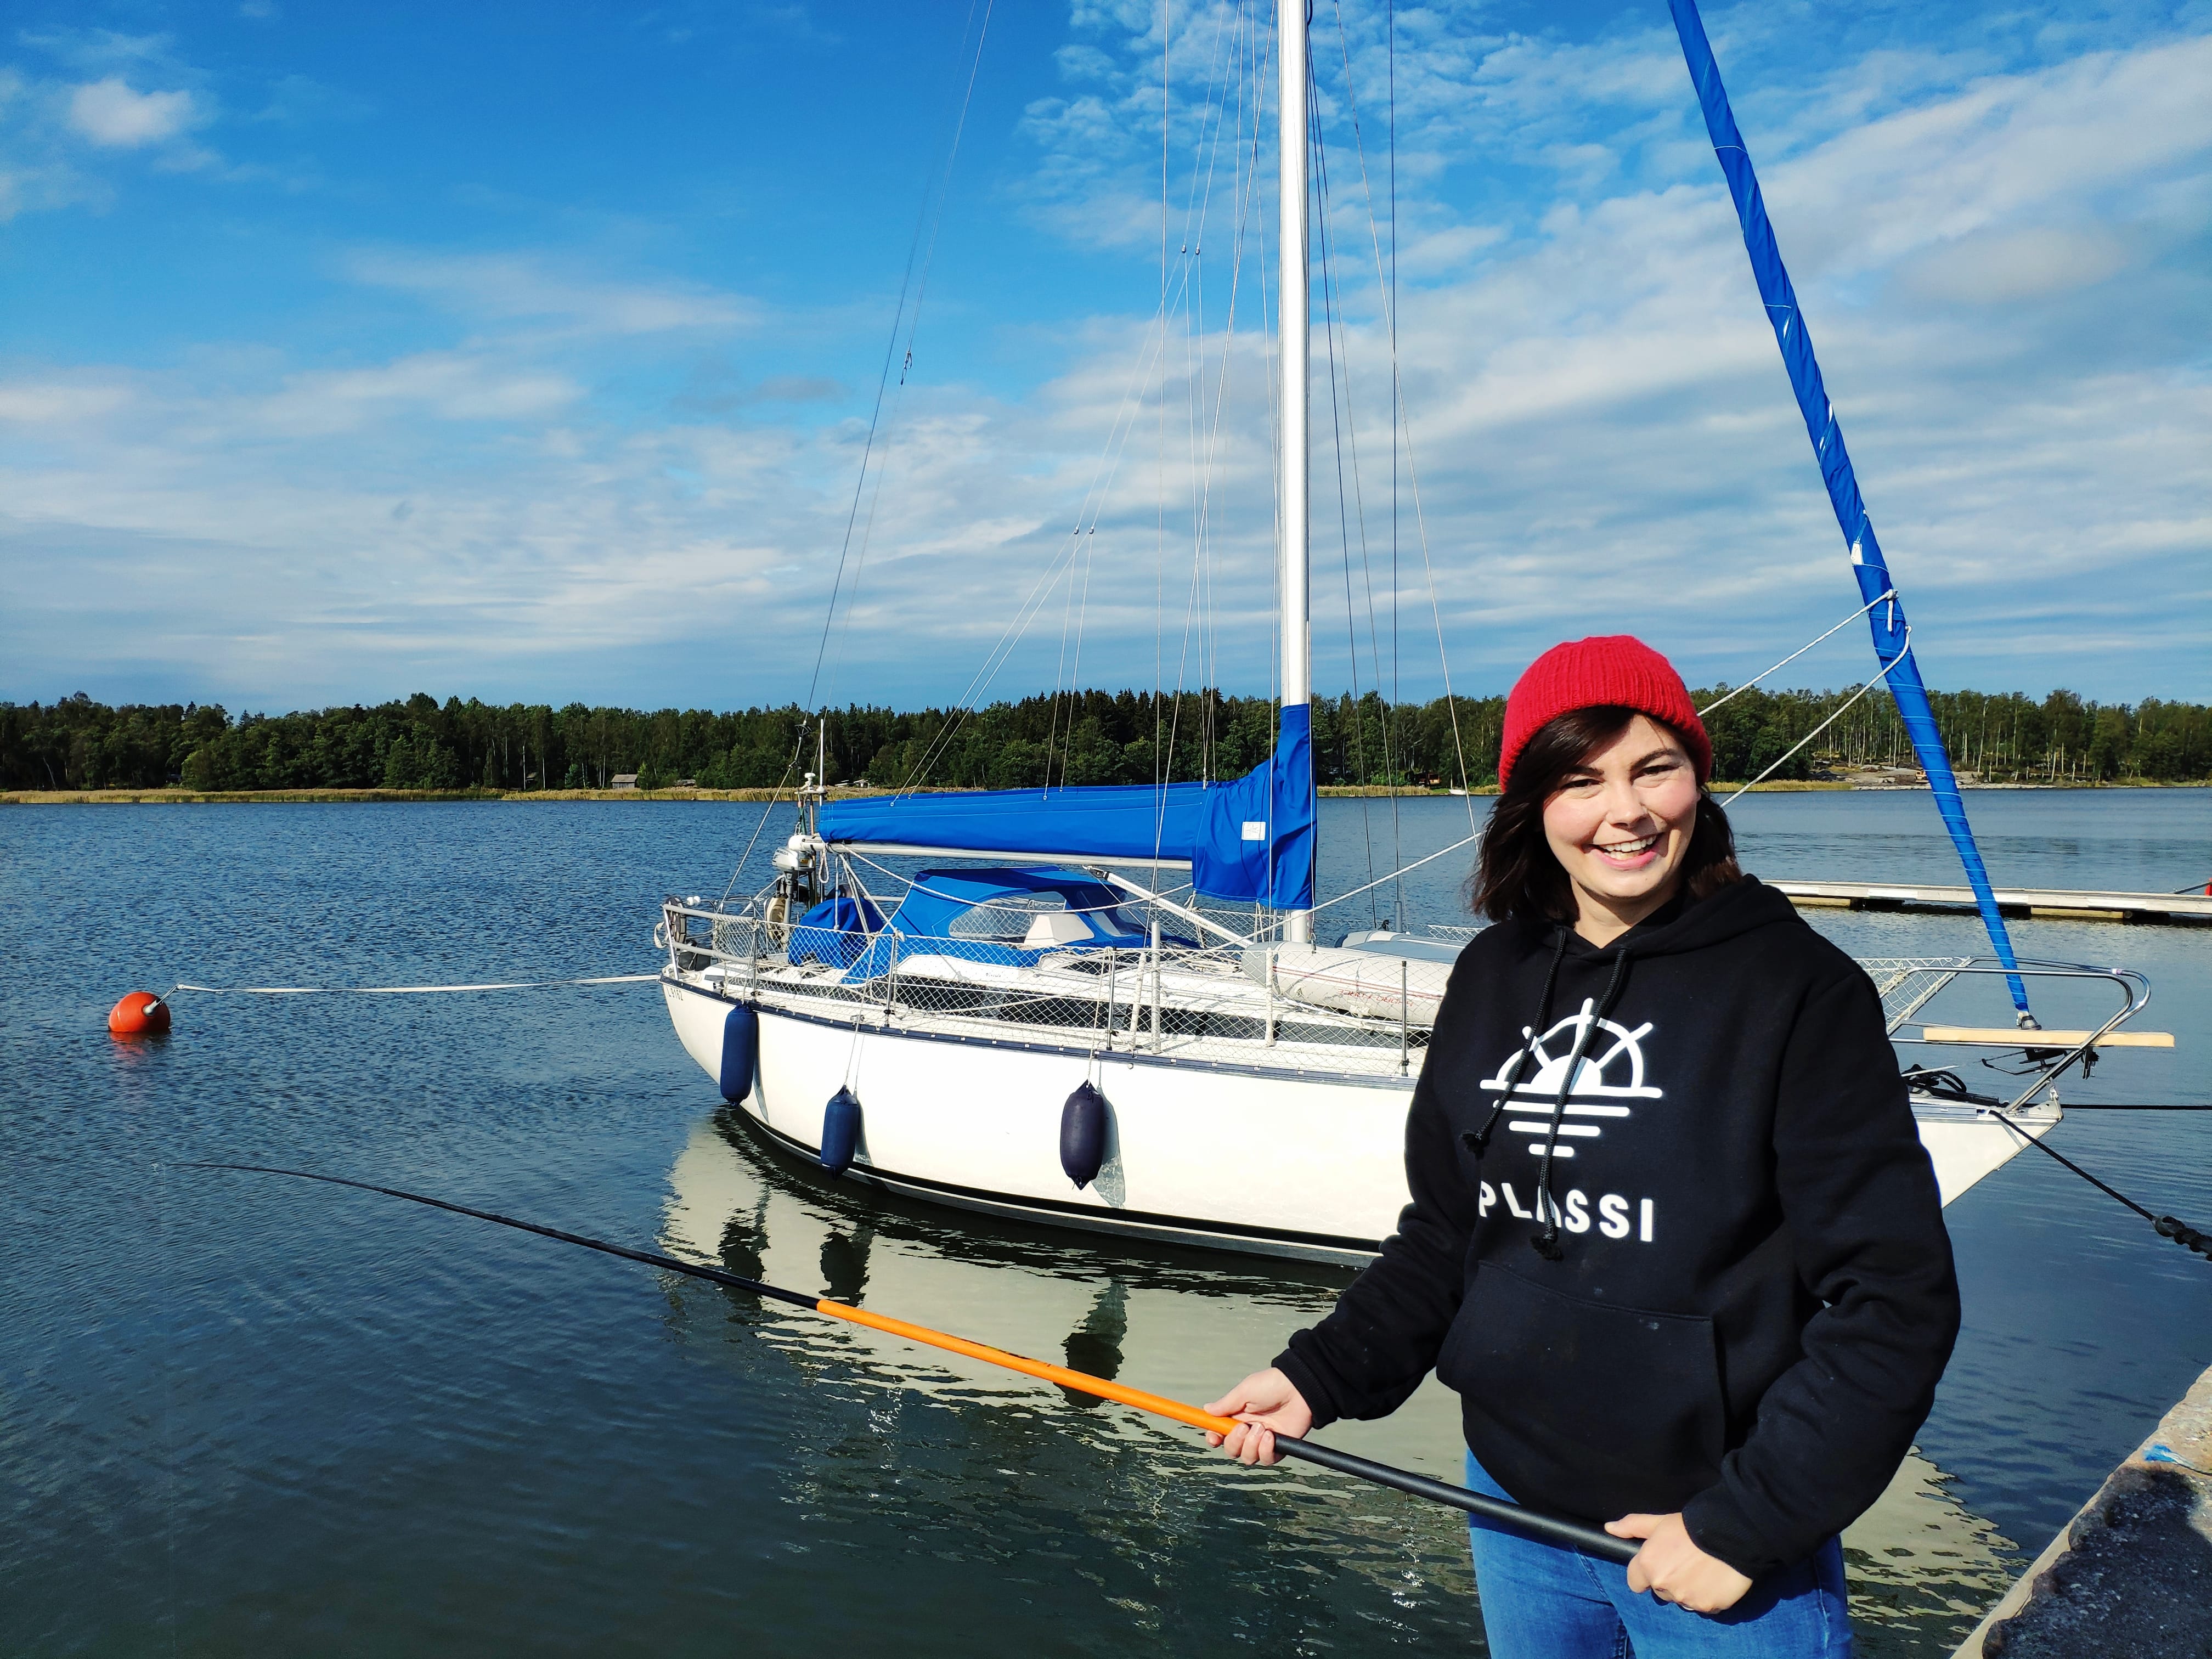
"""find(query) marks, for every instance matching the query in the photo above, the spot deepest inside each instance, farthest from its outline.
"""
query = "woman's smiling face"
(1620, 826)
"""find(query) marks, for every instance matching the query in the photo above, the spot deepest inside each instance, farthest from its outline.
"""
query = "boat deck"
(1145, 1011)
(2054, 904)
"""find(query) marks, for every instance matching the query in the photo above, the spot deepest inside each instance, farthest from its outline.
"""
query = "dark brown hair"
(1517, 874)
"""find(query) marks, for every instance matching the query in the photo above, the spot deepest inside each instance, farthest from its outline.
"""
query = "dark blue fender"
(740, 1053)
(1084, 1122)
(841, 1131)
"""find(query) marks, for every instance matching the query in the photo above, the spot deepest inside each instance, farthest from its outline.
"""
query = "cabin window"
(1007, 920)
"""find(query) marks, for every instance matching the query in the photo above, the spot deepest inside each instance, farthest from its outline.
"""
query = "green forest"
(1078, 738)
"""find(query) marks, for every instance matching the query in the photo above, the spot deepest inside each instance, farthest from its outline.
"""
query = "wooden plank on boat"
(2052, 903)
(2006, 1036)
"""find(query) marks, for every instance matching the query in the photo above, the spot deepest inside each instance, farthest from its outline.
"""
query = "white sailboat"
(1046, 1036)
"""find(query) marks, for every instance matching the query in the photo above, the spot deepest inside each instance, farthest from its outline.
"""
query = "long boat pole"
(1296, 321)
(1536, 1523)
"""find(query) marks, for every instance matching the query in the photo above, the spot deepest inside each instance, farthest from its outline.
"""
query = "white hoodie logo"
(1606, 1074)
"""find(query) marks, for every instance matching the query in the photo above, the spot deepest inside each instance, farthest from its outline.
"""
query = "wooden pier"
(2055, 904)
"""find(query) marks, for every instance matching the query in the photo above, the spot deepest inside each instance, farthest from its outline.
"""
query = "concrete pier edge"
(2131, 1574)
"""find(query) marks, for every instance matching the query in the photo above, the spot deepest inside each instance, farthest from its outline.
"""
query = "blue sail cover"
(1890, 634)
(923, 923)
(1248, 841)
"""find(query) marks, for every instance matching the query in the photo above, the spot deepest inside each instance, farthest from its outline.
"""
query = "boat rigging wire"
(1536, 1523)
(1008, 639)
(1078, 609)
(1395, 725)
(1197, 201)
(1464, 841)
(1885, 595)
(1903, 650)
(1107, 469)
(2139, 1105)
(774, 800)
(1401, 417)
(925, 219)
(1393, 746)
(1160, 440)
(1241, 51)
(1177, 294)
(1343, 428)
(2165, 1226)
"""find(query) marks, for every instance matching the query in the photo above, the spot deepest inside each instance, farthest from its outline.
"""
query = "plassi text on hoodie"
(1754, 1296)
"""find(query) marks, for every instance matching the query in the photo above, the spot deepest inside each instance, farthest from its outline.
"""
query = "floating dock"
(2055, 904)
(2131, 1578)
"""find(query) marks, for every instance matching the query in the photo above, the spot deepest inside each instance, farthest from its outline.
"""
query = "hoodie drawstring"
(1546, 1243)
(1479, 1142)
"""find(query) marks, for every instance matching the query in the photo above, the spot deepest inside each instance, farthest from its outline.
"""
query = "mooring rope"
(406, 990)
(2165, 1226)
(1945, 1084)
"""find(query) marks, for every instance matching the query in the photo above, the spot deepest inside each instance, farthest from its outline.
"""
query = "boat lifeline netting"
(1260, 1005)
(1907, 984)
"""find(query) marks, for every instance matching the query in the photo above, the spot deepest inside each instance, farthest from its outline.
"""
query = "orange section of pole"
(1550, 1528)
(1158, 1404)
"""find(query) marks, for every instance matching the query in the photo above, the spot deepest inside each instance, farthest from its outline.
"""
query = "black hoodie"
(1753, 1295)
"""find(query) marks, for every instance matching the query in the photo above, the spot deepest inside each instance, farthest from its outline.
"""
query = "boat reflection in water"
(1183, 1323)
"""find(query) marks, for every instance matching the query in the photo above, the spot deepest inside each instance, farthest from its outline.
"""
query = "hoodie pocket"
(1591, 1408)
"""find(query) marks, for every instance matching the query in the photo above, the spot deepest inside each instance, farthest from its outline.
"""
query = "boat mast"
(1296, 324)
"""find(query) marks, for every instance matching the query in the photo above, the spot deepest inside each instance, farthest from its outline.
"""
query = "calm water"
(238, 1414)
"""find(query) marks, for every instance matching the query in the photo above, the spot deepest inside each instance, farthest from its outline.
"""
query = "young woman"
(1673, 1237)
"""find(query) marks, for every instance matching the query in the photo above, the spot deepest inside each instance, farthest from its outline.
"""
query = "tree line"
(1074, 738)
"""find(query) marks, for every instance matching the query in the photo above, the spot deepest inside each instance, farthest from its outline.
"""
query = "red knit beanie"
(1610, 670)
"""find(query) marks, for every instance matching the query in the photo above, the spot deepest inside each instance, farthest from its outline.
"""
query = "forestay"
(1885, 612)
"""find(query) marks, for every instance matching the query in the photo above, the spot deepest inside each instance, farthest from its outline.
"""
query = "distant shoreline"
(375, 797)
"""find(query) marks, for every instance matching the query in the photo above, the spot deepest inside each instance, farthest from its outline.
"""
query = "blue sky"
(530, 352)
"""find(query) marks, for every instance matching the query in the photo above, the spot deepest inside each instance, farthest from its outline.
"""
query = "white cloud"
(2001, 266)
(90, 50)
(2076, 136)
(50, 404)
(63, 139)
(1603, 434)
(510, 287)
(447, 385)
(1441, 251)
(108, 111)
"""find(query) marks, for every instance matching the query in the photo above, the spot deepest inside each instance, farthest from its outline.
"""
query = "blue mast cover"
(1887, 618)
(1248, 841)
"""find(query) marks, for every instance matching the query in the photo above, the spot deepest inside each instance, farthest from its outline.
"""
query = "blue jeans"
(1539, 1601)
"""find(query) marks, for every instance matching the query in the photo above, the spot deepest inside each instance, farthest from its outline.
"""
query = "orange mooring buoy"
(140, 1014)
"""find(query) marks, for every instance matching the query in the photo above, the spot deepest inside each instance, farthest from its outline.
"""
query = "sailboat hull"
(1306, 1168)
(1274, 1164)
